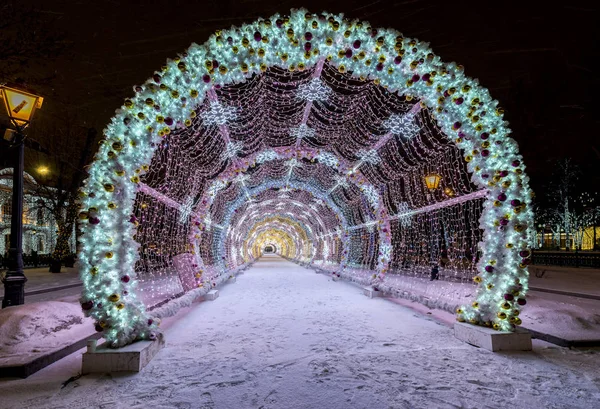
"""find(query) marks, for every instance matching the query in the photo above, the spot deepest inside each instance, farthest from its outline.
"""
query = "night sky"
(536, 59)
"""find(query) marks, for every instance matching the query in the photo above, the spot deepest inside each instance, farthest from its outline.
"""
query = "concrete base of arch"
(371, 292)
(212, 294)
(493, 340)
(130, 358)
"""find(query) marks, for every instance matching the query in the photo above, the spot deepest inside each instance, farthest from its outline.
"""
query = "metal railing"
(29, 261)
(567, 258)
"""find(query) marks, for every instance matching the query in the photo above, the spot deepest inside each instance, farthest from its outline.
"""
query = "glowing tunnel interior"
(346, 148)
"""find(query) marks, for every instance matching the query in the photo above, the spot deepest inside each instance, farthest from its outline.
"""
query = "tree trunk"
(62, 250)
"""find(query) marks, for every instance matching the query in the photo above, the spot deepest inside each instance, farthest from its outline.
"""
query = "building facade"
(39, 225)
(585, 239)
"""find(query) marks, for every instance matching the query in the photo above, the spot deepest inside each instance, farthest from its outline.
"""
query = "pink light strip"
(158, 196)
(440, 205)
(446, 203)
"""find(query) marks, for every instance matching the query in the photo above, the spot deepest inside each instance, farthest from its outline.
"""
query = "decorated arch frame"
(464, 111)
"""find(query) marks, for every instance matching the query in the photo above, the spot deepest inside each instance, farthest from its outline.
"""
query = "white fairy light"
(232, 149)
(215, 187)
(267, 155)
(340, 180)
(404, 215)
(302, 131)
(404, 125)
(219, 114)
(369, 156)
(186, 209)
(328, 159)
(315, 90)
(372, 195)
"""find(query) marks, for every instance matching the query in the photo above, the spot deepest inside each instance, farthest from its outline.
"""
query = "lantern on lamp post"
(432, 181)
(20, 107)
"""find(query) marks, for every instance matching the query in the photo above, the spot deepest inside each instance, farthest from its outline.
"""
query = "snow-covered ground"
(568, 279)
(33, 330)
(285, 337)
(563, 316)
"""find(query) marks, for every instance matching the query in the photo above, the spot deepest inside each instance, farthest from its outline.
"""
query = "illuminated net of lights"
(315, 134)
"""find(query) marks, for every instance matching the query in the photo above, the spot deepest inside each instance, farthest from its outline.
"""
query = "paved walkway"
(41, 278)
(285, 337)
(43, 285)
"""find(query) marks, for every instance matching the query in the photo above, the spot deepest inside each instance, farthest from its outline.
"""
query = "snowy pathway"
(285, 337)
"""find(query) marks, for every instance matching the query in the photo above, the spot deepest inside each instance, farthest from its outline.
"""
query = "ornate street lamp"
(432, 181)
(43, 170)
(20, 107)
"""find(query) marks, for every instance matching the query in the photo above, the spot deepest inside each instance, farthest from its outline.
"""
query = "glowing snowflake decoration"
(219, 114)
(242, 178)
(292, 163)
(341, 180)
(186, 209)
(315, 90)
(208, 221)
(371, 194)
(404, 214)
(371, 156)
(233, 148)
(301, 132)
(386, 251)
(327, 158)
(266, 156)
(215, 187)
(402, 125)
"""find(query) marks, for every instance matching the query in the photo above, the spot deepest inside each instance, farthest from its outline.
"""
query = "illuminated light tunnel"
(350, 149)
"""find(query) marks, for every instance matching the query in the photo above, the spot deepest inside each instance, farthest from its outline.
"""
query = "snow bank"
(570, 318)
(29, 329)
(574, 280)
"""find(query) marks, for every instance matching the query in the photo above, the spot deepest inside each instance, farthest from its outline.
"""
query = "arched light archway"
(301, 234)
(185, 95)
(347, 174)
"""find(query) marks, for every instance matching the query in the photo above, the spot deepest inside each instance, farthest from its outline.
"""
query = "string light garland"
(325, 111)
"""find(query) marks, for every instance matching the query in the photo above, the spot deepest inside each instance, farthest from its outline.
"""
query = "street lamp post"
(20, 107)
(432, 182)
